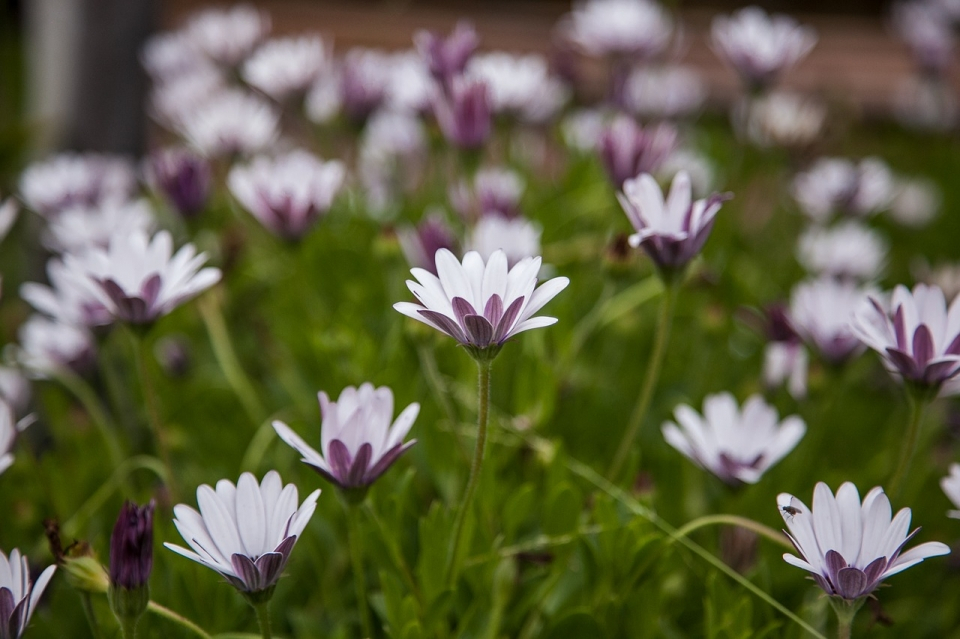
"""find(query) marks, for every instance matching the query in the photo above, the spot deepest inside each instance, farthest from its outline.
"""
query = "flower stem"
(91, 403)
(90, 614)
(483, 400)
(356, 558)
(169, 615)
(734, 520)
(662, 336)
(263, 618)
(428, 363)
(846, 611)
(128, 628)
(918, 408)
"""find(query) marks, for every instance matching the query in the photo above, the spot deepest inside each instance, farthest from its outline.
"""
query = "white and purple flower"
(19, 597)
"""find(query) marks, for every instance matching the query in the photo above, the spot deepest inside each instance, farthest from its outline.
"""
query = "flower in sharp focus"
(72, 179)
(463, 114)
(227, 36)
(230, 121)
(48, 345)
(834, 185)
(79, 228)
(131, 546)
(421, 243)
(481, 305)
(288, 193)
(246, 531)
(664, 93)
(917, 335)
(737, 445)
(849, 547)
(9, 429)
(671, 231)
(848, 250)
(447, 57)
(760, 46)
(183, 178)
(822, 312)
(628, 149)
(517, 237)
(635, 28)
(286, 66)
(951, 487)
(357, 440)
(138, 278)
(18, 597)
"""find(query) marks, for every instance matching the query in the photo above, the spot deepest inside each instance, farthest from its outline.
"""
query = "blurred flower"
(951, 487)
(736, 445)
(171, 54)
(356, 437)
(519, 85)
(421, 243)
(672, 232)
(230, 122)
(481, 305)
(18, 597)
(392, 155)
(784, 357)
(175, 100)
(464, 114)
(851, 547)
(131, 546)
(784, 119)
(582, 129)
(138, 278)
(628, 149)
(245, 532)
(8, 216)
(69, 298)
(72, 179)
(495, 191)
(760, 46)
(916, 203)
(839, 185)
(287, 193)
(847, 250)
(228, 35)
(14, 389)
(517, 237)
(48, 345)
(286, 66)
(364, 78)
(173, 353)
(697, 165)
(634, 28)
(927, 103)
(944, 276)
(183, 178)
(822, 312)
(928, 31)
(323, 101)
(9, 428)
(410, 87)
(78, 228)
(915, 333)
(447, 57)
(665, 92)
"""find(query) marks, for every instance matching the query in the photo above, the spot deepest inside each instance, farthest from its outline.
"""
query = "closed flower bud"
(131, 546)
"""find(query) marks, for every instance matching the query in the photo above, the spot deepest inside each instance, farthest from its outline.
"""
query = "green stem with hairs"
(263, 618)
(846, 612)
(662, 336)
(355, 542)
(918, 408)
(483, 408)
(169, 615)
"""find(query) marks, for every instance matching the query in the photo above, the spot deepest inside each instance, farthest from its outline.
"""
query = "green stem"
(846, 611)
(227, 358)
(91, 403)
(169, 615)
(662, 336)
(734, 520)
(141, 353)
(128, 628)
(263, 618)
(483, 400)
(356, 558)
(90, 614)
(918, 408)
(399, 562)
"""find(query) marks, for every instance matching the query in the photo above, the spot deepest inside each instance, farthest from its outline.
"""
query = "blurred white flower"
(851, 547)
(410, 87)
(517, 237)
(171, 54)
(48, 345)
(175, 100)
(288, 193)
(928, 31)
(447, 57)
(582, 129)
(78, 228)
(481, 305)
(786, 363)
(697, 165)
(463, 112)
(228, 35)
(944, 276)
(138, 278)
(784, 119)
(365, 76)
(951, 487)
(69, 298)
(636, 28)
(14, 389)
(286, 66)
(849, 249)
(737, 445)
(421, 243)
(520, 85)
(822, 312)
(628, 149)
(72, 179)
(246, 532)
(760, 46)
(665, 92)
(183, 178)
(833, 185)
(916, 203)
(19, 596)
(356, 436)
(230, 122)
(9, 428)
(495, 191)
(393, 134)
(926, 103)
(324, 101)
(392, 155)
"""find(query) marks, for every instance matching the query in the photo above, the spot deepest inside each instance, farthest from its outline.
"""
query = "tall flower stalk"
(919, 403)
(356, 558)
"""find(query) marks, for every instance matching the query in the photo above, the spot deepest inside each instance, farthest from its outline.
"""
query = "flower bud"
(131, 546)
